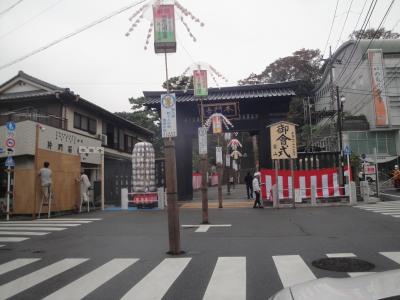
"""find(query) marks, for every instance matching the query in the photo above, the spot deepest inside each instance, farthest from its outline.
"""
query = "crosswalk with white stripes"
(389, 208)
(227, 281)
(19, 231)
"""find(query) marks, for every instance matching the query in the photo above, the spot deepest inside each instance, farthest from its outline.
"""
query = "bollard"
(364, 190)
(124, 198)
(275, 199)
(161, 199)
(352, 193)
(313, 194)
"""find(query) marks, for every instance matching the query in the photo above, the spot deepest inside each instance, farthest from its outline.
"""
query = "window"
(85, 123)
(128, 141)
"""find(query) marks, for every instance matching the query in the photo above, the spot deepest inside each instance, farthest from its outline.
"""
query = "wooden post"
(292, 174)
(204, 195)
(220, 173)
(255, 152)
(36, 167)
(173, 213)
(276, 204)
(170, 175)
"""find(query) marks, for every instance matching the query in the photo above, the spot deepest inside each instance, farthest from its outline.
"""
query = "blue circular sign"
(10, 126)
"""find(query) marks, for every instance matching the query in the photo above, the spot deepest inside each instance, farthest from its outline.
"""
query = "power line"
(363, 26)
(376, 32)
(344, 24)
(82, 29)
(330, 30)
(30, 20)
(10, 8)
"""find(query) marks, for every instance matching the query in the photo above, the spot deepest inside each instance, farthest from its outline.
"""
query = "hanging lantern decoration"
(236, 154)
(164, 29)
(200, 72)
(217, 120)
(200, 83)
(234, 144)
(217, 124)
(162, 20)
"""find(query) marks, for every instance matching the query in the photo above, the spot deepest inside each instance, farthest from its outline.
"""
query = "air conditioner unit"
(103, 139)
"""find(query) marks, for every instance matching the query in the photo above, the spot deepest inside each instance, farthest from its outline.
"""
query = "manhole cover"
(343, 264)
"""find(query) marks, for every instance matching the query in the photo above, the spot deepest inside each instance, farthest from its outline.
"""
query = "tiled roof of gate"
(258, 91)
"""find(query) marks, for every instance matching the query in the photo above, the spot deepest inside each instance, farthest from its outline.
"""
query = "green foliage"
(304, 64)
(146, 118)
(372, 33)
(175, 85)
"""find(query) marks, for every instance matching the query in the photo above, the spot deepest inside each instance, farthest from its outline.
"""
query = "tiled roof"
(230, 93)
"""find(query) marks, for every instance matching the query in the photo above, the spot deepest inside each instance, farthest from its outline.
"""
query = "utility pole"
(339, 124)
(310, 123)
(203, 170)
(170, 170)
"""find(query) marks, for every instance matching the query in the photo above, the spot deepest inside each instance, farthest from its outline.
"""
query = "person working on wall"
(85, 185)
(46, 182)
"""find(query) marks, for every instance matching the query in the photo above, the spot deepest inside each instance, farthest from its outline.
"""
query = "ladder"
(43, 203)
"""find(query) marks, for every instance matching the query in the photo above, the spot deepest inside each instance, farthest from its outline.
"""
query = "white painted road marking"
(228, 280)
(395, 256)
(45, 222)
(155, 284)
(341, 255)
(22, 233)
(38, 225)
(7, 239)
(357, 274)
(15, 264)
(25, 282)
(292, 269)
(204, 228)
(36, 228)
(91, 281)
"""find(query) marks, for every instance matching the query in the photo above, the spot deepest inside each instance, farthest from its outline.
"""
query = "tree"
(147, 118)
(304, 64)
(175, 85)
(372, 33)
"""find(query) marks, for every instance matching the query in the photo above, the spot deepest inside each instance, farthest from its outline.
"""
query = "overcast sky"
(105, 67)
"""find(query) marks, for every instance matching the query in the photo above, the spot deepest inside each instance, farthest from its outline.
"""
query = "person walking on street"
(46, 182)
(248, 179)
(257, 190)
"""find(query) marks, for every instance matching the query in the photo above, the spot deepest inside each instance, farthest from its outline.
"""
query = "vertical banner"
(234, 165)
(164, 28)
(228, 160)
(378, 87)
(202, 140)
(217, 124)
(227, 136)
(283, 140)
(168, 115)
(218, 155)
(200, 83)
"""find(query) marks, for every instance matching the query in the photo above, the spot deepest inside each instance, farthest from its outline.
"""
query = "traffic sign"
(10, 162)
(363, 156)
(10, 142)
(1, 150)
(346, 150)
(10, 126)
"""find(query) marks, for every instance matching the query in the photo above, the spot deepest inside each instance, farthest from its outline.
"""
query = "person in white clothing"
(257, 190)
(85, 185)
(45, 181)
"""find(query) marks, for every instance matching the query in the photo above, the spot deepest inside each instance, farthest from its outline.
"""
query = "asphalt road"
(256, 248)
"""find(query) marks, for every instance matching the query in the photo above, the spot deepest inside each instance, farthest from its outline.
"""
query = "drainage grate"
(343, 264)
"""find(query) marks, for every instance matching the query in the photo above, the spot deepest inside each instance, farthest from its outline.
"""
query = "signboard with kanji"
(164, 29)
(218, 155)
(283, 140)
(228, 109)
(369, 169)
(375, 61)
(200, 83)
(202, 140)
(168, 115)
